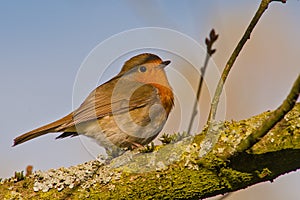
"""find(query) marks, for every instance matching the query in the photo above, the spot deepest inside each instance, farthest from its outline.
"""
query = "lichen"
(84, 175)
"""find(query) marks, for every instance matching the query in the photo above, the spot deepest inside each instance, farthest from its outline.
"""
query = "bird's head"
(146, 68)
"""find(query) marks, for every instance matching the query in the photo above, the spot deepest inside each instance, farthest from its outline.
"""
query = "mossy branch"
(274, 118)
(175, 170)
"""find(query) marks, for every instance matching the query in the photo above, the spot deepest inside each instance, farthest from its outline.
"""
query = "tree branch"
(275, 117)
(175, 170)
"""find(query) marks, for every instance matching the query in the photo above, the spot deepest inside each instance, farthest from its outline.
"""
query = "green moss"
(285, 135)
(263, 173)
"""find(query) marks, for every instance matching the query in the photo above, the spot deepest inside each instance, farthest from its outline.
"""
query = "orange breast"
(166, 96)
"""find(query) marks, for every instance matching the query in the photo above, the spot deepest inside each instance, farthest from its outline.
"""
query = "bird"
(126, 112)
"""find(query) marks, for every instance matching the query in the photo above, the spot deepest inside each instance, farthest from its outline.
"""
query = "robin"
(127, 111)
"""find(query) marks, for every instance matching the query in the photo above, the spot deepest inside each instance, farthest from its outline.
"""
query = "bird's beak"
(165, 63)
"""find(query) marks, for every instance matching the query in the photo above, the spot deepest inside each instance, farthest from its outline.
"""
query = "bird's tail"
(52, 127)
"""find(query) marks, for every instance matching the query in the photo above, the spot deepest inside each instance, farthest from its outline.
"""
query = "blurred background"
(43, 44)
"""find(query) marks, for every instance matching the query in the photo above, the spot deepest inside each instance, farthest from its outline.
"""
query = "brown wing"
(114, 97)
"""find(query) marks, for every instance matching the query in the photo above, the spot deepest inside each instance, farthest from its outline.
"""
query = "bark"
(176, 170)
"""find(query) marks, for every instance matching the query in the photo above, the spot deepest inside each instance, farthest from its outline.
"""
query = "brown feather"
(42, 130)
(103, 102)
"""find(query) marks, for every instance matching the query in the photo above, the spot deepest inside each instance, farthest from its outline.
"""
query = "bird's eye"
(142, 69)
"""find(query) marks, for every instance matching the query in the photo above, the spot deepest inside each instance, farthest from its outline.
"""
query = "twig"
(262, 7)
(212, 135)
(275, 117)
(209, 52)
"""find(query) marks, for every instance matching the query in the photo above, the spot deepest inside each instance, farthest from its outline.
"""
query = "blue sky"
(43, 44)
